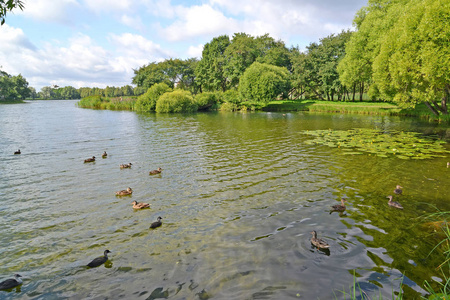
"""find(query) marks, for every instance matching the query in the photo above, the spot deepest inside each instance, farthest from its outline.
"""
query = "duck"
(126, 192)
(137, 205)
(319, 243)
(99, 260)
(394, 203)
(17, 152)
(448, 164)
(125, 166)
(156, 224)
(157, 171)
(11, 283)
(104, 155)
(398, 190)
(89, 159)
(340, 207)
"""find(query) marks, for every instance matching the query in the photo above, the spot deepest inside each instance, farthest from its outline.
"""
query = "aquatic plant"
(382, 143)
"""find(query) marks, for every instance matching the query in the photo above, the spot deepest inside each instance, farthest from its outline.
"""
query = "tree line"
(399, 53)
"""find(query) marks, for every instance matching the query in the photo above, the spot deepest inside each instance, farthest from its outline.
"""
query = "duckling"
(319, 243)
(398, 190)
(126, 192)
(99, 260)
(157, 171)
(340, 207)
(137, 205)
(104, 155)
(89, 159)
(156, 224)
(448, 164)
(17, 152)
(11, 283)
(125, 166)
(394, 203)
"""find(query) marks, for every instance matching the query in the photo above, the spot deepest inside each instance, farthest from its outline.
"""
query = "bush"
(176, 101)
(206, 100)
(91, 102)
(147, 102)
(264, 82)
(232, 96)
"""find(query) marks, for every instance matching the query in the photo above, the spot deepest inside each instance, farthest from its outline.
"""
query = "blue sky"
(95, 43)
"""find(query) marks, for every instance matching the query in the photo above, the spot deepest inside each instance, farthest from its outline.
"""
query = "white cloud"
(49, 10)
(133, 22)
(100, 6)
(195, 51)
(197, 21)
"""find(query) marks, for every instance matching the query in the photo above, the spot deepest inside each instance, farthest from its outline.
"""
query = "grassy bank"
(11, 101)
(370, 108)
(114, 103)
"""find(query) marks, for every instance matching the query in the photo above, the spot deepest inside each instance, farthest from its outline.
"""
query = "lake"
(239, 195)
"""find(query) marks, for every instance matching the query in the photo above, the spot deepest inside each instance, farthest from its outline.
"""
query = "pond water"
(239, 195)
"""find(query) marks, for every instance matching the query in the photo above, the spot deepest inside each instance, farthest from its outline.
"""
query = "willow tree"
(401, 47)
(413, 65)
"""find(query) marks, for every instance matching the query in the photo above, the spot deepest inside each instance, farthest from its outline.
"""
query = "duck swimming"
(157, 171)
(319, 243)
(17, 152)
(104, 155)
(137, 205)
(398, 190)
(89, 159)
(340, 207)
(157, 223)
(126, 192)
(99, 260)
(11, 283)
(394, 203)
(125, 166)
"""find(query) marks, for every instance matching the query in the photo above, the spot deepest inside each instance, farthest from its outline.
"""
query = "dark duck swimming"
(99, 260)
(11, 283)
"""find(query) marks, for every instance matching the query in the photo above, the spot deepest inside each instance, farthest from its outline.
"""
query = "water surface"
(239, 196)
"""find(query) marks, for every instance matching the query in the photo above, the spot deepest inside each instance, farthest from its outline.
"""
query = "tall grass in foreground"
(442, 224)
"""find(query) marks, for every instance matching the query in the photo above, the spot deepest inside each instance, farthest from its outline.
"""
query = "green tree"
(264, 82)
(176, 101)
(9, 5)
(413, 64)
(210, 70)
(46, 93)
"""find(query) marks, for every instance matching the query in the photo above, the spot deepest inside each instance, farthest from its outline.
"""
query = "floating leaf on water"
(403, 145)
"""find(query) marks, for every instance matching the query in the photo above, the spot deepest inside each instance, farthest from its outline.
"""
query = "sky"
(98, 43)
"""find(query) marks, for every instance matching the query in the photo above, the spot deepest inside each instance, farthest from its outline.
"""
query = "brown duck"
(157, 171)
(125, 166)
(126, 192)
(394, 203)
(90, 159)
(340, 207)
(398, 190)
(137, 205)
(319, 243)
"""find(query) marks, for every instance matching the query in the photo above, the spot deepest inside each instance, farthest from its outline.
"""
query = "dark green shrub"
(264, 83)
(176, 101)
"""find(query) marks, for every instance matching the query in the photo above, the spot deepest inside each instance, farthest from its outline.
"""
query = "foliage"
(13, 87)
(9, 5)
(173, 72)
(205, 100)
(176, 101)
(316, 70)
(264, 82)
(231, 96)
(209, 72)
(91, 102)
(401, 49)
(404, 145)
(147, 101)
